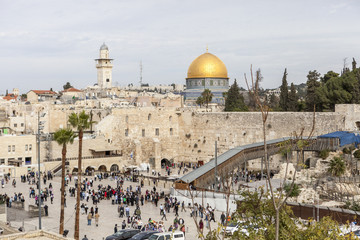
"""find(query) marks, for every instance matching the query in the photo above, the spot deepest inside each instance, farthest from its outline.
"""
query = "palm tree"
(337, 166)
(207, 96)
(80, 122)
(63, 137)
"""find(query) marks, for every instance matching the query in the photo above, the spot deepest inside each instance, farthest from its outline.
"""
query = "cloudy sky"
(46, 43)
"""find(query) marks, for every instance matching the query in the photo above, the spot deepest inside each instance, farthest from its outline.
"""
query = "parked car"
(143, 235)
(177, 235)
(123, 234)
(231, 228)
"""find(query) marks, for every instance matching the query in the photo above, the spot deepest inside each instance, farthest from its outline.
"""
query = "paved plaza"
(108, 213)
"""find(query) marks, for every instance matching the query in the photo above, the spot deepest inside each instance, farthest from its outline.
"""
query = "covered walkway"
(204, 176)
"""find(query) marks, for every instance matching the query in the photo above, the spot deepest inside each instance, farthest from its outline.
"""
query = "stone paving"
(108, 212)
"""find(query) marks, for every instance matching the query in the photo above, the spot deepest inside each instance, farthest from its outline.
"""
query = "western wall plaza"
(177, 120)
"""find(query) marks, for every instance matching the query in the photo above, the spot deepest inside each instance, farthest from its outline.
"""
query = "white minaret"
(104, 68)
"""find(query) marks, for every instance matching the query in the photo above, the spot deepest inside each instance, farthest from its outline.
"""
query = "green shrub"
(337, 166)
(295, 190)
(346, 151)
(324, 153)
(357, 153)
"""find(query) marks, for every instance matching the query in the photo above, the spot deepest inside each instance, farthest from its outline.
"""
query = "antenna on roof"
(141, 68)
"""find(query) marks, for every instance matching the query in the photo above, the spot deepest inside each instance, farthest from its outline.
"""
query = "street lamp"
(318, 202)
(40, 127)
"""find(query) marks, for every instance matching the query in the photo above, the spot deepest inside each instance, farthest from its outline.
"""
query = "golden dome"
(207, 65)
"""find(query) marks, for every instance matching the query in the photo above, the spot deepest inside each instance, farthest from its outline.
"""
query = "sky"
(46, 43)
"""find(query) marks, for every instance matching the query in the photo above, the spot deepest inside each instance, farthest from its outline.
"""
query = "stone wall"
(193, 134)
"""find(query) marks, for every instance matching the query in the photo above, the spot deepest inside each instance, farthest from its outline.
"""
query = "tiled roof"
(43, 92)
(72, 90)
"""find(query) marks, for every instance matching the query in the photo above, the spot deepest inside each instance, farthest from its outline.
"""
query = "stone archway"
(75, 170)
(89, 169)
(165, 162)
(102, 168)
(114, 168)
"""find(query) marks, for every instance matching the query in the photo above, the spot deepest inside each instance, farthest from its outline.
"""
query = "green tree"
(67, 86)
(80, 122)
(312, 84)
(292, 104)
(200, 101)
(256, 213)
(337, 166)
(234, 101)
(284, 93)
(292, 192)
(274, 102)
(63, 137)
(207, 96)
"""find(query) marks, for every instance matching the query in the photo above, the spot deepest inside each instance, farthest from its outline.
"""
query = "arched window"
(149, 116)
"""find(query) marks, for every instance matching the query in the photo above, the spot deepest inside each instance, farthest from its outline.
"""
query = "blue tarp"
(344, 137)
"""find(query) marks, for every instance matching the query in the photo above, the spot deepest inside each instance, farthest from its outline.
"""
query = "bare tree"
(296, 142)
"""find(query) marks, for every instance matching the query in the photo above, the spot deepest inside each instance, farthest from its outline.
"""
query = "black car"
(123, 234)
(143, 235)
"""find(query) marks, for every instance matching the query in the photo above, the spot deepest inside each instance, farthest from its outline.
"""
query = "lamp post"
(215, 166)
(40, 127)
(318, 203)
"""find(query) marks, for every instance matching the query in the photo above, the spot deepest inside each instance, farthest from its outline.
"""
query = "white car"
(232, 228)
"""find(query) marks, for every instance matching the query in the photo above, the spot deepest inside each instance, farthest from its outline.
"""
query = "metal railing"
(85, 157)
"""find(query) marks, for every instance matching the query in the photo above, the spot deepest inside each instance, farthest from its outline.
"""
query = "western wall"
(182, 135)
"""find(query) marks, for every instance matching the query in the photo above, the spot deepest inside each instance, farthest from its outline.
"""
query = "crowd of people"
(129, 200)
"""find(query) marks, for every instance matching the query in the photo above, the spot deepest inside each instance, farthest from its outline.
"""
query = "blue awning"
(344, 137)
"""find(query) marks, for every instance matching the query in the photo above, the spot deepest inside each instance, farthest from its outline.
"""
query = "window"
(127, 119)
(107, 80)
(171, 131)
(30, 147)
(2, 161)
(13, 148)
(27, 160)
(149, 117)
(15, 124)
(26, 147)
(126, 132)
(143, 132)
(22, 124)
(9, 148)
(170, 118)
(156, 131)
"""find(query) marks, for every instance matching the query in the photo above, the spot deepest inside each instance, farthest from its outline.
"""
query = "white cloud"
(47, 43)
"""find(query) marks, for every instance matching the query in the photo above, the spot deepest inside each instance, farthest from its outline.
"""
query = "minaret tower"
(104, 68)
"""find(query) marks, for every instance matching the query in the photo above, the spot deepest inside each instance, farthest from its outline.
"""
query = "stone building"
(206, 72)
(104, 68)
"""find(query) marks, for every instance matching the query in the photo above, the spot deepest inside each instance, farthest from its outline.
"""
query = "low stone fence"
(34, 211)
(158, 183)
(39, 234)
(17, 205)
(3, 212)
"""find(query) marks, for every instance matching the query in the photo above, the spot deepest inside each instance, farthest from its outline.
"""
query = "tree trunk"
(77, 215)
(61, 228)
(277, 224)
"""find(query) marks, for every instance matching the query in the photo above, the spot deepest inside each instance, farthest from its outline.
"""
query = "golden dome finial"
(207, 48)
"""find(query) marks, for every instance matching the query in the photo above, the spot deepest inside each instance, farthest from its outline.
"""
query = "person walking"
(183, 206)
(97, 219)
(115, 228)
(222, 217)
(164, 216)
(89, 217)
(201, 225)
(85, 238)
(123, 225)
